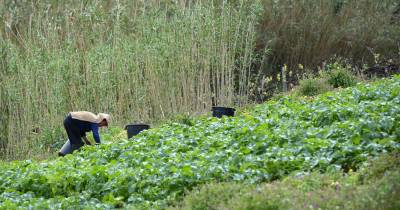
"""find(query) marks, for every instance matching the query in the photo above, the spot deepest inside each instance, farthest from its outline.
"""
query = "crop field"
(335, 131)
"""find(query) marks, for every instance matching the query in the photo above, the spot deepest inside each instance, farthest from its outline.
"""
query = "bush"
(307, 191)
(213, 195)
(340, 76)
(313, 86)
(376, 169)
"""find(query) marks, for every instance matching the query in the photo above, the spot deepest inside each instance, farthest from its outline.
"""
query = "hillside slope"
(335, 131)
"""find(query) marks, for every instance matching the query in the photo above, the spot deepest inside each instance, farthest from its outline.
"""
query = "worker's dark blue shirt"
(88, 126)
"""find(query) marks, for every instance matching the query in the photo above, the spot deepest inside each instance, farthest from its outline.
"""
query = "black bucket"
(135, 129)
(218, 111)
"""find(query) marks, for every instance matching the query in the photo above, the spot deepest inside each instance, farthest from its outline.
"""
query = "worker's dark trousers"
(73, 132)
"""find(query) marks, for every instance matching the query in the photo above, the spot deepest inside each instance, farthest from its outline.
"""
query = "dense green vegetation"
(150, 60)
(375, 186)
(336, 131)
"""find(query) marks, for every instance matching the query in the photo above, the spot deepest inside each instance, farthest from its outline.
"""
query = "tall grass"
(137, 60)
(312, 33)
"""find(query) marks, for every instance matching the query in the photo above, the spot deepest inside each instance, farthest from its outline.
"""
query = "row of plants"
(336, 131)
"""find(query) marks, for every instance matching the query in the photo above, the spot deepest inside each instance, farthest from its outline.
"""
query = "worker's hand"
(86, 141)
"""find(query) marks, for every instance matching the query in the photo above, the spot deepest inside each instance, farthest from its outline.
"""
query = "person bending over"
(76, 125)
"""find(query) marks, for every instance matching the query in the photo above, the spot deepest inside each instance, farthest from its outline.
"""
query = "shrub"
(307, 191)
(376, 169)
(213, 195)
(313, 86)
(340, 76)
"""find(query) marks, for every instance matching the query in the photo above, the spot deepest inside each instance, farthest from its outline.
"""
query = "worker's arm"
(95, 130)
(86, 140)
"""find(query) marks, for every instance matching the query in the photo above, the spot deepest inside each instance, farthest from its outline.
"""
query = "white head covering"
(104, 116)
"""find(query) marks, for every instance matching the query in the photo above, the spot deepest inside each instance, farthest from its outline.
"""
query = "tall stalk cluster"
(137, 60)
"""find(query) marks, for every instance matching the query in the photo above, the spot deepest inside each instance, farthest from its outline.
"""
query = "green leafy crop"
(334, 131)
